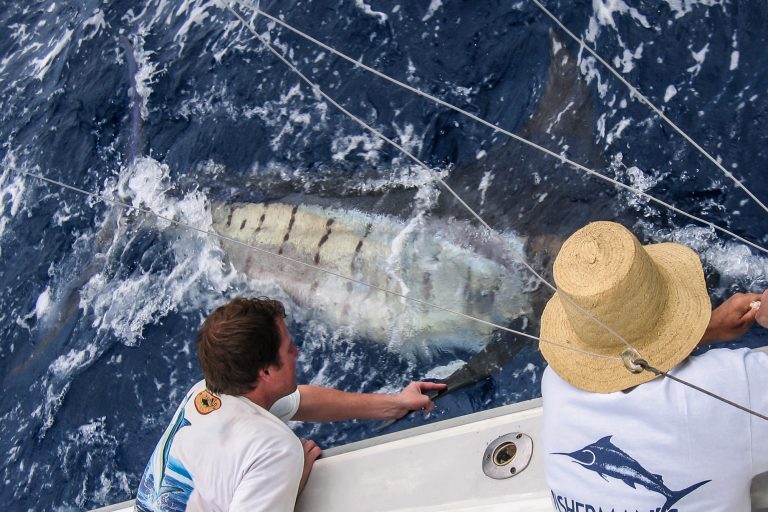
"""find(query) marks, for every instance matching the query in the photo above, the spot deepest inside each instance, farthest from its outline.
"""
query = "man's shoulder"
(722, 359)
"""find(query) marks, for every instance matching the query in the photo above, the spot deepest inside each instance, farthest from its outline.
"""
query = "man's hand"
(311, 453)
(762, 312)
(412, 398)
(733, 318)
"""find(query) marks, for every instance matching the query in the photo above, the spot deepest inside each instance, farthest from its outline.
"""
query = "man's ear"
(264, 375)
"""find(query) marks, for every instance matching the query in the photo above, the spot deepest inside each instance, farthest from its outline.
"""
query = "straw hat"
(654, 296)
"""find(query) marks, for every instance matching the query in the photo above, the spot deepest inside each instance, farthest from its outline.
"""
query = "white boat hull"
(437, 467)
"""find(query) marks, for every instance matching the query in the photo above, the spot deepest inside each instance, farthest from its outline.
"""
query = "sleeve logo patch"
(206, 402)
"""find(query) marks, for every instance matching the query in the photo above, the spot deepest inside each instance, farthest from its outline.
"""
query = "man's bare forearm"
(326, 404)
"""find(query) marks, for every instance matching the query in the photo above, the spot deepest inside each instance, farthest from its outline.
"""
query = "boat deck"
(438, 467)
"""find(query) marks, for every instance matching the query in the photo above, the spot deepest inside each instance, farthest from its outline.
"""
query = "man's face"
(284, 377)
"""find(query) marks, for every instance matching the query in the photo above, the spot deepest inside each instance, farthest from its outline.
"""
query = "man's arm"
(734, 317)
(326, 404)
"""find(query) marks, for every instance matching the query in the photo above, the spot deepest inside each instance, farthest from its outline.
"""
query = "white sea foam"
(12, 189)
(43, 303)
(699, 57)
(738, 267)
(412, 176)
(591, 71)
(618, 128)
(734, 60)
(485, 184)
(683, 7)
(122, 304)
(626, 62)
(197, 271)
(96, 22)
(194, 13)
(531, 370)
(434, 6)
(101, 449)
(145, 74)
(42, 64)
(368, 11)
(604, 11)
(366, 146)
(441, 372)
(670, 93)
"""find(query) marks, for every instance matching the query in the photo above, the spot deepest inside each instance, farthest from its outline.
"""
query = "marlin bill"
(448, 263)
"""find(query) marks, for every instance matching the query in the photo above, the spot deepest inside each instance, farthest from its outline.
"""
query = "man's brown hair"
(237, 341)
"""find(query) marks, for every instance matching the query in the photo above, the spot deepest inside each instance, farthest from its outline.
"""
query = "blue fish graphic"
(606, 459)
(161, 455)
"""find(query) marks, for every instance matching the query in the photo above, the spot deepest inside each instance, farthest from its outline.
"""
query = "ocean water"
(174, 106)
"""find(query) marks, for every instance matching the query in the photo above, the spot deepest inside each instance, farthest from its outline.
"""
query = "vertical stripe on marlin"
(368, 229)
(426, 283)
(288, 231)
(261, 219)
(353, 264)
(229, 217)
(469, 298)
(323, 240)
(261, 222)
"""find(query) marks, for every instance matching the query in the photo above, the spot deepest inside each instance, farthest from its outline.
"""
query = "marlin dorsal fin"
(605, 441)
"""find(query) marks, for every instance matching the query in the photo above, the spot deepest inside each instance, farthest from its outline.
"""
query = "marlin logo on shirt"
(166, 485)
(606, 459)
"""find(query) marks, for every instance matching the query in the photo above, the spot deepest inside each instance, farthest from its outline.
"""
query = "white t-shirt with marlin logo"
(224, 453)
(662, 447)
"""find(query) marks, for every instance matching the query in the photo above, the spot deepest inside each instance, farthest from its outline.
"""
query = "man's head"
(653, 296)
(242, 339)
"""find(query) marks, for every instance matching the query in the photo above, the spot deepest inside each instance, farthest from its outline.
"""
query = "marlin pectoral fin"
(629, 482)
(433, 395)
(604, 477)
(486, 363)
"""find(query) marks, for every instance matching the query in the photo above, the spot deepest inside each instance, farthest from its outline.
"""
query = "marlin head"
(585, 456)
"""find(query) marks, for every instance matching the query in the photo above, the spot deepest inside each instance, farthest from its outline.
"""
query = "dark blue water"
(173, 106)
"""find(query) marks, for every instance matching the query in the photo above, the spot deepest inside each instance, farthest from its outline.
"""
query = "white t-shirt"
(224, 453)
(662, 446)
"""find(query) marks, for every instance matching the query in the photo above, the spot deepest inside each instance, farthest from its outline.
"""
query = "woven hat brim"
(675, 335)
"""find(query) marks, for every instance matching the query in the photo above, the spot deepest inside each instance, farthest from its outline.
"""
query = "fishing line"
(214, 234)
(648, 102)
(493, 127)
(645, 366)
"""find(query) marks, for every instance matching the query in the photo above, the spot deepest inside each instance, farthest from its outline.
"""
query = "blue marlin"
(166, 482)
(160, 458)
(606, 459)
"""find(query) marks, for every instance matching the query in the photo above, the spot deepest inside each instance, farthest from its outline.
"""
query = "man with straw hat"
(617, 436)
